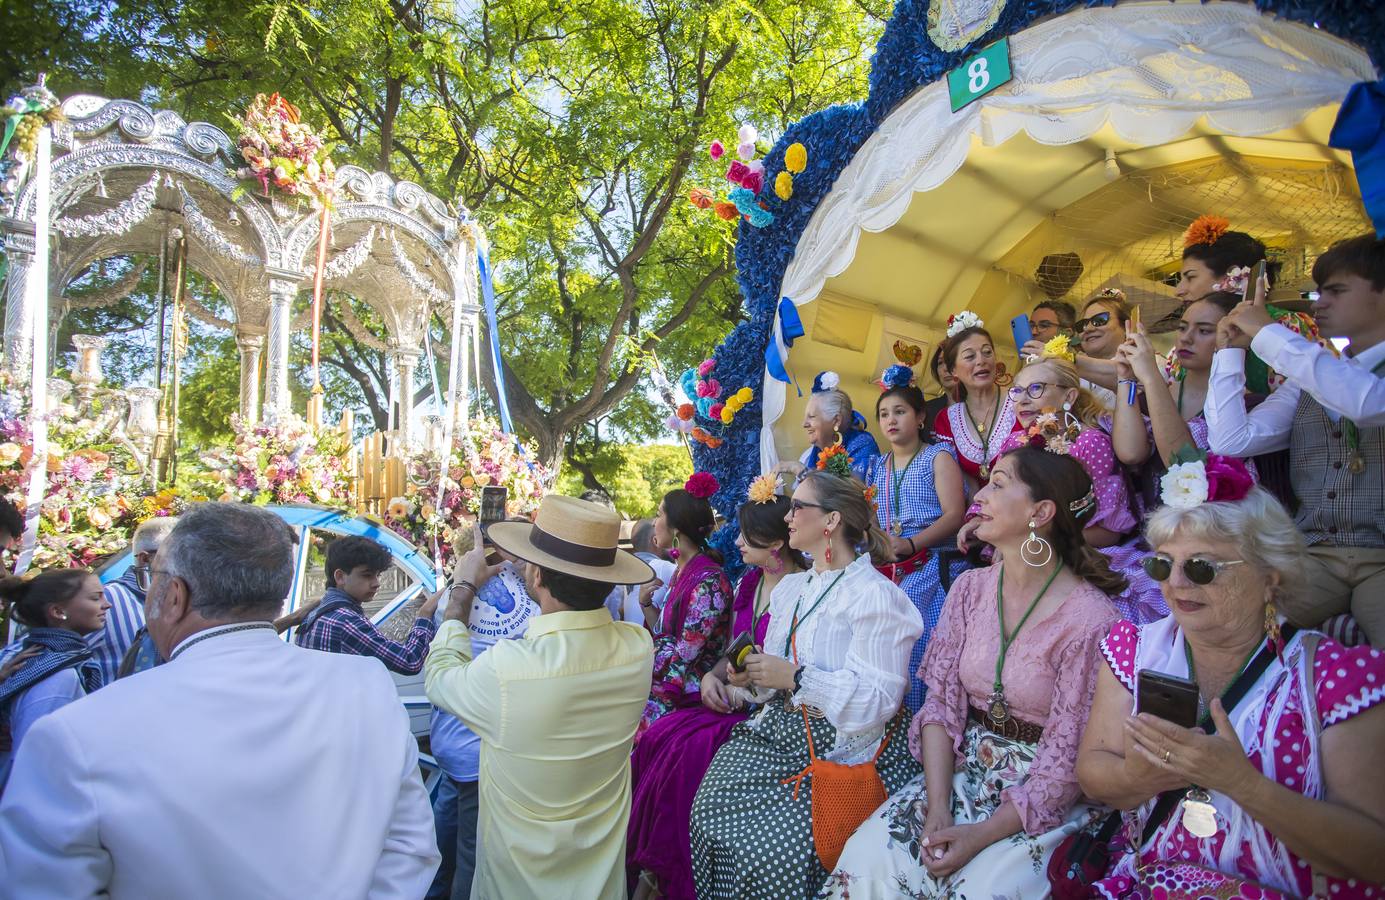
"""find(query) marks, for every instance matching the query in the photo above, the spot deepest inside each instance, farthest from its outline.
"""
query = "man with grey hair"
(242, 767)
(125, 618)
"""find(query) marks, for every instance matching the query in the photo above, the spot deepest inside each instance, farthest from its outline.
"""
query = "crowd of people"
(1106, 626)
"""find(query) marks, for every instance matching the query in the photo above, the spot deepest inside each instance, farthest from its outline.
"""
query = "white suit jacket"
(245, 767)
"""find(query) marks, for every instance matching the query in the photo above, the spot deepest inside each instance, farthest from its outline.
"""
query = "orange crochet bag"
(843, 796)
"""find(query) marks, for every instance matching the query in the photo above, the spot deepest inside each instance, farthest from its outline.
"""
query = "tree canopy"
(574, 131)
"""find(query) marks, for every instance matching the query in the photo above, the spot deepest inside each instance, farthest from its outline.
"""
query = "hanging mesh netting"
(1129, 234)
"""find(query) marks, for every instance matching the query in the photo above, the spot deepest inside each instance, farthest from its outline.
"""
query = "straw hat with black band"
(574, 537)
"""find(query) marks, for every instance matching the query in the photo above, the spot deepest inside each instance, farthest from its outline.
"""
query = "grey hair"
(151, 533)
(236, 559)
(1258, 526)
(835, 404)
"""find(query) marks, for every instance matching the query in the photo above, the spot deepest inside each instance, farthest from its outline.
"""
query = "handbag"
(898, 571)
(1084, 858)
(844, 796)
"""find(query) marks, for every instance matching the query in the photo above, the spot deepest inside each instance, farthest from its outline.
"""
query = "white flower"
(829, 380)
(962, 321)
(1184, 485)
(748, 134)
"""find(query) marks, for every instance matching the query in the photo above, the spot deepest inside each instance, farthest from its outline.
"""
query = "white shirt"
(244, 767)
(1344, 387)
(854, 648)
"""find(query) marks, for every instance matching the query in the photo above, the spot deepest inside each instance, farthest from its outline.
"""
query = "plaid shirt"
(347, 630)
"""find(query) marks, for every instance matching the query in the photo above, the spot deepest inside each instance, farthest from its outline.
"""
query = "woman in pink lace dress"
(998, 733)
(1284, 796)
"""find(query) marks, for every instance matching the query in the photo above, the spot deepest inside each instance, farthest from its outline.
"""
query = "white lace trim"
(972, 448)
(1354, 705)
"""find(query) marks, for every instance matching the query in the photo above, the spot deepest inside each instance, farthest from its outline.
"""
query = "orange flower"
(701, 198)
(699, 435)
(1206, 230)
(727, 210)
(713, 443)
(686, 411)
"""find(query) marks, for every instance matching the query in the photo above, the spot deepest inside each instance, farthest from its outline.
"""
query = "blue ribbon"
(488, 298)
(1360, 128)
(790, 329)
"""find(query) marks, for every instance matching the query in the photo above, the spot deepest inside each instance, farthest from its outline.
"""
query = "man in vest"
(1330, 414)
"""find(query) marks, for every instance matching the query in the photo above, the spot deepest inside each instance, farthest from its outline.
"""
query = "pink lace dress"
(1281, 735)
(1050, 678)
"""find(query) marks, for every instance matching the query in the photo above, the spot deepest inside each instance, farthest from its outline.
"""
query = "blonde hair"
(1087, 408)
(847, 498)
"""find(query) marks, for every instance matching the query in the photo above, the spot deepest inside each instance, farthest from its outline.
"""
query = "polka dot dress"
(750, 837)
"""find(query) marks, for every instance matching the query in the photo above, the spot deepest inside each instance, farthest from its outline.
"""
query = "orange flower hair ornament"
(1206, 230)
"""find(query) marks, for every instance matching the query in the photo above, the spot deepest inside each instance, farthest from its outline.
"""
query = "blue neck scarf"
(61, 649)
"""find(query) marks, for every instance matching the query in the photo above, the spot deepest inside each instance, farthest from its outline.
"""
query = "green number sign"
(980, 75)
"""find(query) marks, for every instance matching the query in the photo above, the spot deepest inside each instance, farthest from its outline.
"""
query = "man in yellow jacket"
(556, 711)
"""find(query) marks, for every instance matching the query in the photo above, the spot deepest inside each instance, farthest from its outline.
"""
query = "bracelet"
(798, 678)
(913, 551)
(462, 584)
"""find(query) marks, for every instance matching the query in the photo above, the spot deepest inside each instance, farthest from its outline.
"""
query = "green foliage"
(637, 476)
(575, 131)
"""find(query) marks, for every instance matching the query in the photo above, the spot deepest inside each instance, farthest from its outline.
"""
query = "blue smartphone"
(1019, 327)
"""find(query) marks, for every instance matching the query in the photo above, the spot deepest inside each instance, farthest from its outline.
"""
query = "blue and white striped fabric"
(918, 508)
(123, 621)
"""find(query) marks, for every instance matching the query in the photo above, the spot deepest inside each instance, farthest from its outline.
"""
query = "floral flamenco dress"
(1142, 601)
(907, 503)
(1049, 678)
(1313, 685)
(692, 636)
(671, 759)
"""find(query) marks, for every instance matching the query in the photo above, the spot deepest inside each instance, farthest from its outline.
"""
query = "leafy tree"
(574, 130)
(637, 476)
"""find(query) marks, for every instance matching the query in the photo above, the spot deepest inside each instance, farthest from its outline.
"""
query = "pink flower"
(704, 389)
(705, 367)
(702, 484)
(746, 150)
(1227, 478)
(717, 150)
(737, 172)
(715, 410)
(753, 182)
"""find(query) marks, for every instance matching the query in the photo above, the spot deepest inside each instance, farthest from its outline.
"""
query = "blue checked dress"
(917, 508)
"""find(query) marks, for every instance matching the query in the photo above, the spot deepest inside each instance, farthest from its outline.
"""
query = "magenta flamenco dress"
(667, 767)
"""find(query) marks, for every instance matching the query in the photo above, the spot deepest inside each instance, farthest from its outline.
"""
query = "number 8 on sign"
(978, 75)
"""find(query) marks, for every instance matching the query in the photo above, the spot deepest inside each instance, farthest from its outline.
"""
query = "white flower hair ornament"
(961, 321)
(1234, 281)
(1195, 478)
(826, 381)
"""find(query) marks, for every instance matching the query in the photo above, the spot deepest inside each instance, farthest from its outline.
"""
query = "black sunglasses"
(1199, 571)
(1097, 321)
(796, 505)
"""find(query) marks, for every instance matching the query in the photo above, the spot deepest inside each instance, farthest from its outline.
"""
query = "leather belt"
(898, 571)
(1012, 728)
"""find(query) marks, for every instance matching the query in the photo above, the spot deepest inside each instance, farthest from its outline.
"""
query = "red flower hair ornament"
(702, 485)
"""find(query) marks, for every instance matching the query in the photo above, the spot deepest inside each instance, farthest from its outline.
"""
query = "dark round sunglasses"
(1159, 566)
(1097, 321)
(1035, 390)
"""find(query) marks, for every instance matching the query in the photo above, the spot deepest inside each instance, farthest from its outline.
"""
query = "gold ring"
(1166, 755)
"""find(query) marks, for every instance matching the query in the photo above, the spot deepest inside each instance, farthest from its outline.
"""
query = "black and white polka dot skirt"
(750, 837)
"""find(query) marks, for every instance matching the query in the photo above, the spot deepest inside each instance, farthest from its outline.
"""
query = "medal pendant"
(1199, 815)
(996, 709)
(896, 528)
(1356, 465)
(985, 472)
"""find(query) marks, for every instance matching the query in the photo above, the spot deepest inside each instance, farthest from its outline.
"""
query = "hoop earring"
(1035, 546)
(827, 534)
(778, 563)
(838, 433)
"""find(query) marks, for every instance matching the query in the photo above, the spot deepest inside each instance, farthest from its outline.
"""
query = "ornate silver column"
(405, 363)
(251, 346)
(18, 316)
(282, 292)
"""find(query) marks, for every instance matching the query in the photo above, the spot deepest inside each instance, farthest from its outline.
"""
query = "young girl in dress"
(919, 501)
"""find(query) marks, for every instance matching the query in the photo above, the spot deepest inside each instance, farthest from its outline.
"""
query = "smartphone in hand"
(1169, 697)
(493, 500)
(740, 648)
(1023, 334)
(1255, 275)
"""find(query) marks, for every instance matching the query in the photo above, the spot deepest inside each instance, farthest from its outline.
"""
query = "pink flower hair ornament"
(702, 485)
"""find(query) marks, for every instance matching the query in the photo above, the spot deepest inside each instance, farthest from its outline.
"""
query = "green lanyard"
(898, 480)
(1006, 641)
(793, 629)
(1357, 465)
(1205, 711)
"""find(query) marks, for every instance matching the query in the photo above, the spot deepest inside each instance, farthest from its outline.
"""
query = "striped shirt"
(123, 621)
(347, 630)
